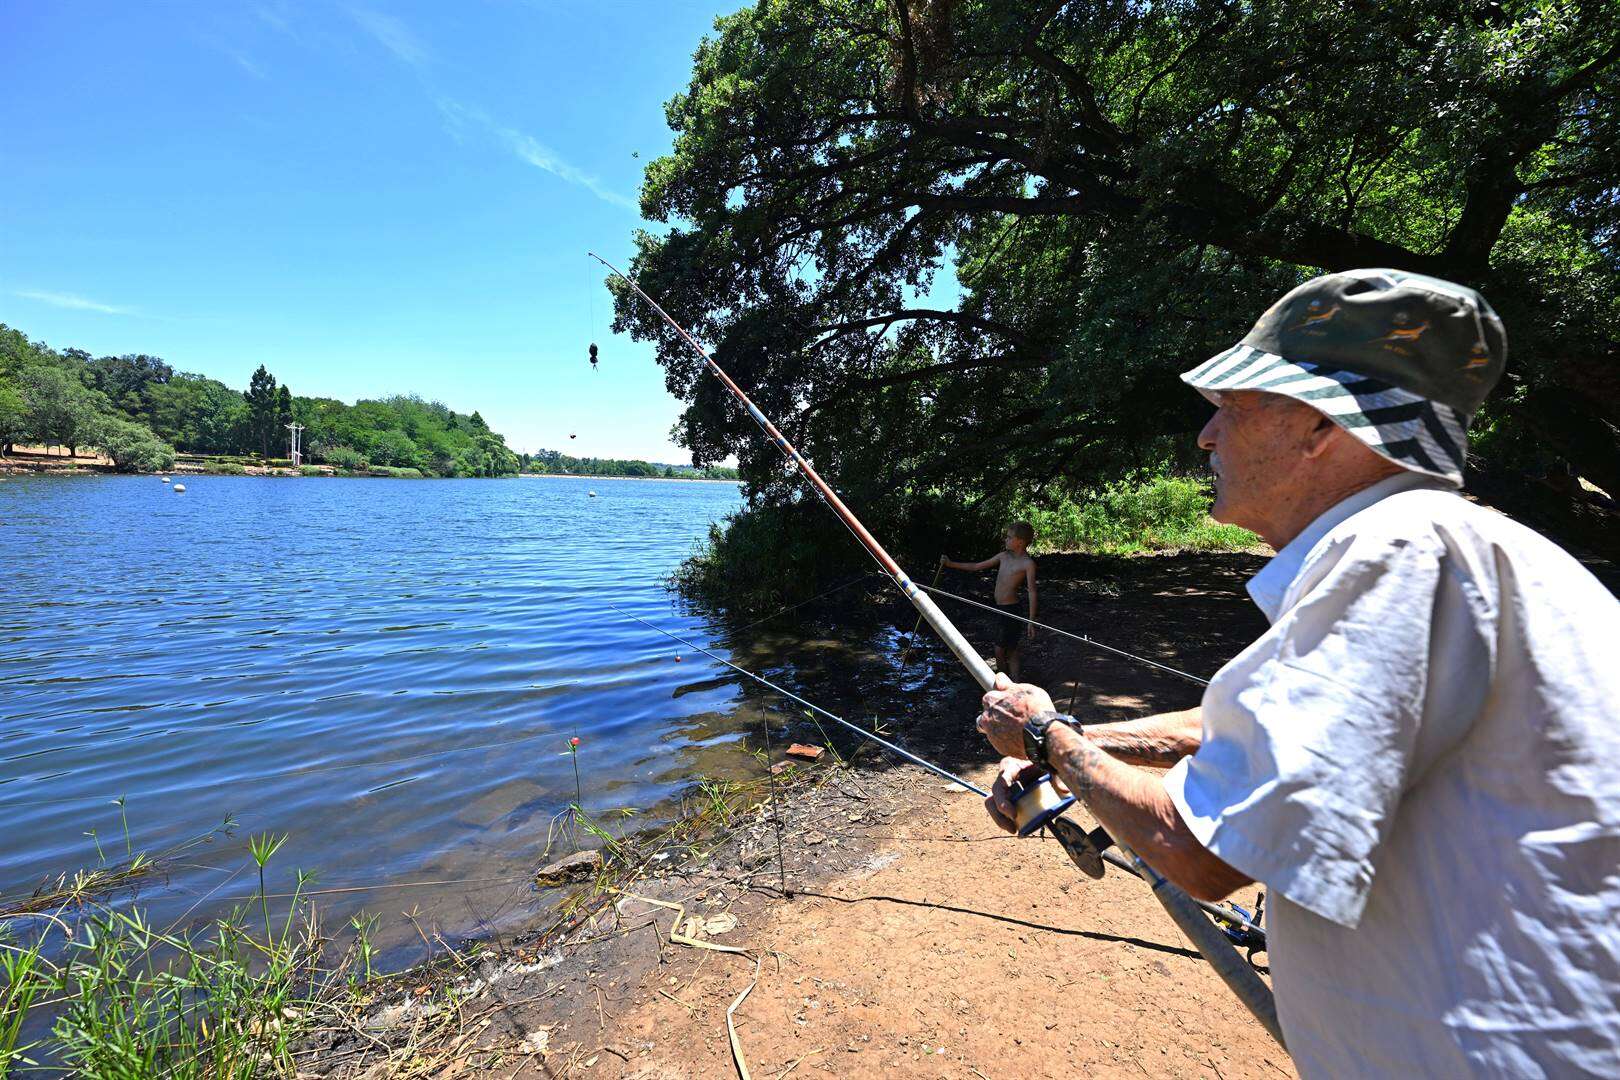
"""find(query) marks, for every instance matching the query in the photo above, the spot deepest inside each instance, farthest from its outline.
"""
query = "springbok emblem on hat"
(1315, 315)
(1401, 335)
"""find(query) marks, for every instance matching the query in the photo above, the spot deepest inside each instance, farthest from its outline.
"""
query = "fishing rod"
(1238, 975)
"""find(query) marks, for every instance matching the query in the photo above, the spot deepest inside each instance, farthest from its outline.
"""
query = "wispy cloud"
(541, 156)
(274, 16)
(235, 54)
(73, 303)
(246, 63)
(393, 35)
(527, 148)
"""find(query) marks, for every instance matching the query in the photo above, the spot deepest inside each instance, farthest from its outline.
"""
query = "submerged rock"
(581, 864)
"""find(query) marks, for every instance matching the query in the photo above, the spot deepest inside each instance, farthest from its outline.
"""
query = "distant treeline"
(139, 411)
(552, 462)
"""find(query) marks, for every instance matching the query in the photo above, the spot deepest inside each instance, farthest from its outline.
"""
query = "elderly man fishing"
(1420, 759)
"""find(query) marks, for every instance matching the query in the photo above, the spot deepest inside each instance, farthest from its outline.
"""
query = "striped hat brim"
(1409, 429)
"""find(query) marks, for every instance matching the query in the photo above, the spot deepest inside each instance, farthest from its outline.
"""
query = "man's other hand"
(999, 802)
(1007, 709)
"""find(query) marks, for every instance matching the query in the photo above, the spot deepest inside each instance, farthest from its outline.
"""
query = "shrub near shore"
(1131, 517)
(1147, 512)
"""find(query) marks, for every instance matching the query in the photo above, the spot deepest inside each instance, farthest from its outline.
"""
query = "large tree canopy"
(1118, 189)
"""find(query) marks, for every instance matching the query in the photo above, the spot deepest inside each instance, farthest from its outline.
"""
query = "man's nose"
(1206, 437)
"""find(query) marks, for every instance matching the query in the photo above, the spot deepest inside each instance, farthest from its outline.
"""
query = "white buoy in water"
(179, 487)
(592, 494)
(165, 479)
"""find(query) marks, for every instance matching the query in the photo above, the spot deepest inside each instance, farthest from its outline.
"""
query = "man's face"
(1255, 442)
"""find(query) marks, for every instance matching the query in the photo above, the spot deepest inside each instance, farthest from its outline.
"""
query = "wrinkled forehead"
(1251, 399)
(1256, 403)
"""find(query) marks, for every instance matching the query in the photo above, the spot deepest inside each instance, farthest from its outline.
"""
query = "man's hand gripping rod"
(1239, 976)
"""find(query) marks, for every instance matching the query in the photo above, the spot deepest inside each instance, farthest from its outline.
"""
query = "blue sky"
(368, 198)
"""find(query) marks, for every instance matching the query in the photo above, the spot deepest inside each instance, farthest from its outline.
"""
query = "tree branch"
(1006, 361)
(961, 318)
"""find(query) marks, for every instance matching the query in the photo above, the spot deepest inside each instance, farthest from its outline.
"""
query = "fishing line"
(591, 293)
(911, 642)
(804, 603)
(1181, 908)
(1214, 910)
(776, 811)
(1068, 634)
(790, 695)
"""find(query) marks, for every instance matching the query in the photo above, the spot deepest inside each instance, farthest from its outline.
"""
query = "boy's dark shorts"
(1012, 631)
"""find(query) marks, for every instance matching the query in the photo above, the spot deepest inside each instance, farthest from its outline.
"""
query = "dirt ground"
(946, 951)
(915, 940)
(25, 459)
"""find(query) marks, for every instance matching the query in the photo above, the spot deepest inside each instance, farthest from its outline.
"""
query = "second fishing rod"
(1216, 949)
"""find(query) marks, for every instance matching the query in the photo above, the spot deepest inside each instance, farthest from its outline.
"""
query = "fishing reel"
(1251, 938)
(1037, 805)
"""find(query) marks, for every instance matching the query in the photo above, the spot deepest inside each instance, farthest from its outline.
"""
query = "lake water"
(386, 671)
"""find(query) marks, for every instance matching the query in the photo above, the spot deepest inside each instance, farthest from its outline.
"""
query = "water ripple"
(387, 671)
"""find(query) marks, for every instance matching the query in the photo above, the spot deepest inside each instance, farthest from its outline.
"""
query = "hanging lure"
(593, 356)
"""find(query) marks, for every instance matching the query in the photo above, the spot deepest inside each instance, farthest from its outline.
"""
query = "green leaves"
(131, 446)
(968, 249)
(261, 398)
(137, 409)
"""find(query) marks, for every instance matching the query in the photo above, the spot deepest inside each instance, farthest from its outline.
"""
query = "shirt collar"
(1269, 587)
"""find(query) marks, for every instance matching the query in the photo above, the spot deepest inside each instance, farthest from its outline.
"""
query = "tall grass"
(117, 997)
(94, 989)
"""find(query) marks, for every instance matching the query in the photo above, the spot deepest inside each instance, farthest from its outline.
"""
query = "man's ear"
(1321, 436)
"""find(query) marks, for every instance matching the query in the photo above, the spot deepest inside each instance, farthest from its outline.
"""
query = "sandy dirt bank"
(914, 939)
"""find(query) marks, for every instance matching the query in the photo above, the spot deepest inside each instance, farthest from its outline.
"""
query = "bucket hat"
(1401, 361)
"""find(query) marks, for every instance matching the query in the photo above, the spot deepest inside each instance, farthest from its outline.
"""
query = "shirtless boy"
(1014, 566)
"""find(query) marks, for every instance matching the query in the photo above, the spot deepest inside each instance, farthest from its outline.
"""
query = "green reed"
(116, 997)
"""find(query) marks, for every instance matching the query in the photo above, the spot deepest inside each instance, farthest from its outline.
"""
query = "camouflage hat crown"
(1401, 361)
(1419, 333)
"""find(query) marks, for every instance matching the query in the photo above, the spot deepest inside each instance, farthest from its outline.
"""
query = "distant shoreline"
(585, 476)
(39, 463)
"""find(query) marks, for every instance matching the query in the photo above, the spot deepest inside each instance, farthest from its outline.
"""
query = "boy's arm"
(952, 564)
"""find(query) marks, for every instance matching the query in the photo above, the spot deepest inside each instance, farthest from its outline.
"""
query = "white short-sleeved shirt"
(1421, 761)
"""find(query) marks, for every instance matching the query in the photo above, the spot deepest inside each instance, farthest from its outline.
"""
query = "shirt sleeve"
(1309, 734)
